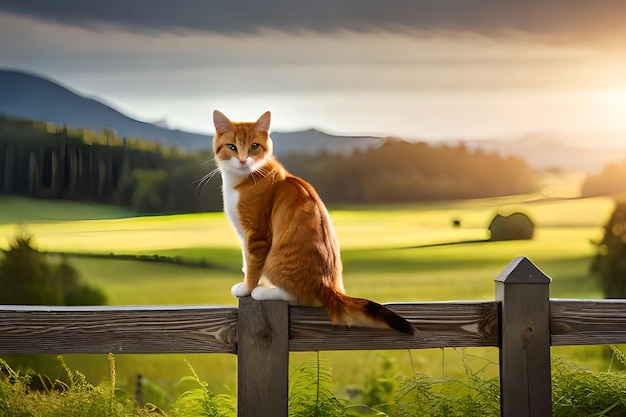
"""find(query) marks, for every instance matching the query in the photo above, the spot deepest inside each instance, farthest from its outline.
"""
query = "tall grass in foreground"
(576, 392)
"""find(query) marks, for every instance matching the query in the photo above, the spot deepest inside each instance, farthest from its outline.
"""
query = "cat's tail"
(350, 311)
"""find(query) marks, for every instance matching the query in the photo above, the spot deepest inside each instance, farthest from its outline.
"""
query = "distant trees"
(47, 161)
(401, 171)
(611, 180)
(610, 261)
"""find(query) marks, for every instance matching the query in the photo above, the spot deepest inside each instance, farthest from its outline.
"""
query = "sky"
(428, 69)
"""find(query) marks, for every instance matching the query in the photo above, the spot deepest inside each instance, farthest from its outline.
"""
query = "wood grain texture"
(525, 379)
(263, 358)
(454, 324)
(587, 322)
(34, 329)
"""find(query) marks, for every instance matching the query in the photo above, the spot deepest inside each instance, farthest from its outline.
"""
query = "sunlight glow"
(616, 100)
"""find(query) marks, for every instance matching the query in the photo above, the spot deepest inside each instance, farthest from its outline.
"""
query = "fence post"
(525, 384)
(262, 358)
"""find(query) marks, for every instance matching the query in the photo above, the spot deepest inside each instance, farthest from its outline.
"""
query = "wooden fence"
(522, 321)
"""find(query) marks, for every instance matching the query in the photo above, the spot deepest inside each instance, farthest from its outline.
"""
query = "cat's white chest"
(231, 201)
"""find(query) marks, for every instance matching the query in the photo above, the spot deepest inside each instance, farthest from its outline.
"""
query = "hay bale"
(515, 226)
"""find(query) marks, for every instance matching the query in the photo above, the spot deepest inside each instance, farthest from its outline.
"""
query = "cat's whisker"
(208, 177)
(208, 161)
(257, 174)
(260, 173)
(202, 182)
(267, 170)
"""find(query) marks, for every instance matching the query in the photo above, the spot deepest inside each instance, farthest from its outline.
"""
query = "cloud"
(580, 19)
(206, 64)
(445, 67)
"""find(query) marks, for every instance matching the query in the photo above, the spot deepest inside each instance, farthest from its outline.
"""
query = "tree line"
(402, 172)
(43, 160)
(611, 180)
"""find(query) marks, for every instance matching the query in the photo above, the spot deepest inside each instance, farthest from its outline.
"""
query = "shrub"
(28, 277)
(515, 226)
(610, 261)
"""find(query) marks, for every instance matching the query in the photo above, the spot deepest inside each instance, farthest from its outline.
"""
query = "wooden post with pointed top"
(262, 358)
(525, 384)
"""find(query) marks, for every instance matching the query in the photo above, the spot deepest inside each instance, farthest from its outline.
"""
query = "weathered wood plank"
(587, 322)
(263, 358)
(525, 379)
(454, 324)
(164, 329)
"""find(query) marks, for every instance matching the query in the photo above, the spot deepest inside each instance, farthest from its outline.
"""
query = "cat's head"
(241, 148)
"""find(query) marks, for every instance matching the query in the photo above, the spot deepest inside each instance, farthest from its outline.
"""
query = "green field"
(391, 254)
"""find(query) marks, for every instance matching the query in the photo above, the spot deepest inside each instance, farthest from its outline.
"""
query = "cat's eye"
(231, 147)
(254, 146)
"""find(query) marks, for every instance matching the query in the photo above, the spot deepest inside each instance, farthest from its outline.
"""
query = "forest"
(403, 172)
(44, 160)
(611, 180)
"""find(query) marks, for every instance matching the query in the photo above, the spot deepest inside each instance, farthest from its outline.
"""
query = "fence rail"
(522, 321)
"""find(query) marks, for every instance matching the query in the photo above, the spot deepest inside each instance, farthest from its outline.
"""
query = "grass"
(386, 391)
(35, 395)
(20, 210)
(391, 254)
(156, 283)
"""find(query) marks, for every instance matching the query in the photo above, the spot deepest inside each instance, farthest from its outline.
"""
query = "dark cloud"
(539, 17)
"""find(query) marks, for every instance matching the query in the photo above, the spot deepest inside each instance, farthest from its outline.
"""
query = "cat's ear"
(263, 124)
(221, 122)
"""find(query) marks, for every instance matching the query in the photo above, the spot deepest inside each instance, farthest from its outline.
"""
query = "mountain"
(32, 97)
(551, 150)
(314, 141)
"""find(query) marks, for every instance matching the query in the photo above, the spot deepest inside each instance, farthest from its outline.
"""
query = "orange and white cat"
(289, 246)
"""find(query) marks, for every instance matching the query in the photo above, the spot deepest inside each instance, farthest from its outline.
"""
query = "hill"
(313, 141)
(34, 97)
(30, 96)
(549, 150)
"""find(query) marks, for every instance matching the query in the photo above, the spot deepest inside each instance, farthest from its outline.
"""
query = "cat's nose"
(242, 161)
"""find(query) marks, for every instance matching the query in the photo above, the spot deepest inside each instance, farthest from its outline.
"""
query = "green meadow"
(409, 253)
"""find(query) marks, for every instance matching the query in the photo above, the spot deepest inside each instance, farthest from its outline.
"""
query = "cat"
(290, 250)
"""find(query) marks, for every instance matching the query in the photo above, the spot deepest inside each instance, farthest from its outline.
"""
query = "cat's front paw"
(240, 290)
(263, 293)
